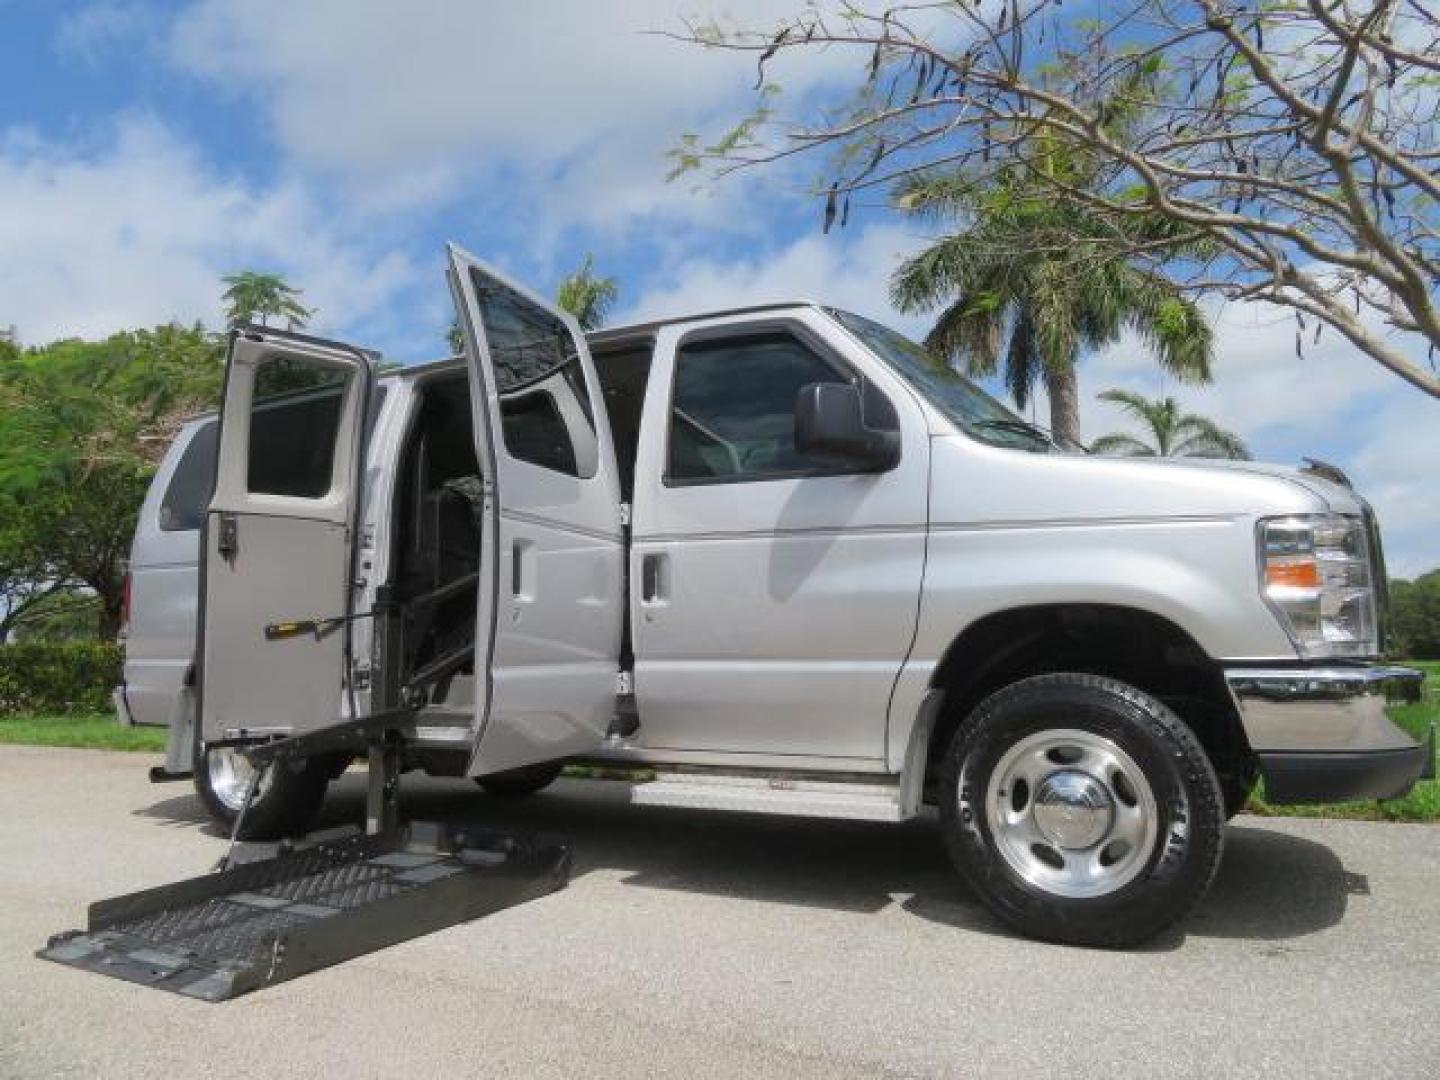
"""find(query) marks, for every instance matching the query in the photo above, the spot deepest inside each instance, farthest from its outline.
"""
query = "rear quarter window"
(188, 493)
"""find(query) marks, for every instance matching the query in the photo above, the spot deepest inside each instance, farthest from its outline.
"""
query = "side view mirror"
(830, 423)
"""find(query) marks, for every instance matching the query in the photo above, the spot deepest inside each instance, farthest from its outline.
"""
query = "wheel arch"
(1138, 647)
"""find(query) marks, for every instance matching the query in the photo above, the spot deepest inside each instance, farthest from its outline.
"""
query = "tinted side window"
(192, 483)
(545, 410)
(294, 423)
(733, 408)
(536, 432)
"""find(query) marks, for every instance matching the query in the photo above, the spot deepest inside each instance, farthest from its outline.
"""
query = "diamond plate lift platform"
(253, 924)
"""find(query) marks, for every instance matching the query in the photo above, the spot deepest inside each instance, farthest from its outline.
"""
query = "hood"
(1337, 497)
(975, 482)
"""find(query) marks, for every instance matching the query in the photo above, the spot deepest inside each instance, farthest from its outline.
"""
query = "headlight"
(1315, 572)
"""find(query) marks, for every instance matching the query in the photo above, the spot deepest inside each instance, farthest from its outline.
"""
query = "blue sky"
(148, 148)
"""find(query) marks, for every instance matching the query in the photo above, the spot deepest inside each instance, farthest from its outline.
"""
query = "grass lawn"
(92, 731)
(99, 731)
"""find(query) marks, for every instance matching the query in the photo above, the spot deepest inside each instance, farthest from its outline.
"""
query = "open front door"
(277, 541)
(552, 592)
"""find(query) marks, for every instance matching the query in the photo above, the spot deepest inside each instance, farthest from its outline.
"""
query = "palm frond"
(969, 333)
(1201, 437)
(1121, 445)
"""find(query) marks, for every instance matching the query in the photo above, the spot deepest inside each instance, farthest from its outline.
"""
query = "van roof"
(611, 335)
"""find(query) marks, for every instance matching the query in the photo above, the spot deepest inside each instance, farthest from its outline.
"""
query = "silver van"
(786, 560)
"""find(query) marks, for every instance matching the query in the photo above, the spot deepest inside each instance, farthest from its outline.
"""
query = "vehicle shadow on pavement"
(838, 865)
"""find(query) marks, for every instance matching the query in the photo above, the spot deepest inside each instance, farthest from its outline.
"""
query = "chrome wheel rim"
(230, 774)
(1071, 813)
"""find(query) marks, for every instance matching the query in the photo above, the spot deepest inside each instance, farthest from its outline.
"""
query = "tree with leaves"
(587, 295)
(1415, 616)
(82, 427)
(252, 297)
(1299, 141)
(1172, 431)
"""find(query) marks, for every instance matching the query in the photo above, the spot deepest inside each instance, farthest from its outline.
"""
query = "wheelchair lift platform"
(252, 924)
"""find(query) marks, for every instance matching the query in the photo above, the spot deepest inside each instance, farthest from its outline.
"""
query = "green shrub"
(45, 677)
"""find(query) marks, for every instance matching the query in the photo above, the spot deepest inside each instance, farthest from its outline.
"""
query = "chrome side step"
(775, 794)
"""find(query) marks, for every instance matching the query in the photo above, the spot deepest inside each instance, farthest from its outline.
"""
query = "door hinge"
(624, 683)
(228, 544)
(360, 675)
(624, 515)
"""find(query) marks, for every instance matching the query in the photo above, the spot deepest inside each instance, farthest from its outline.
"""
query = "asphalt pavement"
(697, 945)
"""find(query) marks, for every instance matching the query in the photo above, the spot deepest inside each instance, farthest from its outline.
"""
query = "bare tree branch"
(1297, 141)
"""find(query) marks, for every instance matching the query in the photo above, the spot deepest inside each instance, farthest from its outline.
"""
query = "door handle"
(522, 570)
(654, 578)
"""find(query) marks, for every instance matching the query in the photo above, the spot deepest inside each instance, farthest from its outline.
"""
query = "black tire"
(1168, 879)
(285, 806)
(519, 782)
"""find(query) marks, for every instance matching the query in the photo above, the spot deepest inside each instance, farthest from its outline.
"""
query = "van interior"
(436, 535)
(437, 525)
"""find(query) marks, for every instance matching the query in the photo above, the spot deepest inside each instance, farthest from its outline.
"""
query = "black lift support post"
(253, 924)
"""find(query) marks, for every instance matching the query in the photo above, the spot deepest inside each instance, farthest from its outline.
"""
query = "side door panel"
(787, 606)
(551, 609)
(277, 540)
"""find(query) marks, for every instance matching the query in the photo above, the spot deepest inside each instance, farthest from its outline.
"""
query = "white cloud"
(847, 269)
(138, 230)
(572, 101)
(88, 32)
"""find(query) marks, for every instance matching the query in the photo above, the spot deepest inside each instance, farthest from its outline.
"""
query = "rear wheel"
(517, 783)
(1082, 810)
(285, 803)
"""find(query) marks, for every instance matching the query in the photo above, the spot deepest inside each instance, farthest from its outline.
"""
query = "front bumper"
(1323, 734)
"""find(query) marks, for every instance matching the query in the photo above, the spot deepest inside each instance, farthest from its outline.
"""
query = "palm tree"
(582, 294)
(1174, 433)
(1038, 280)
(587, 296)
(256, 297)
(1035, 281)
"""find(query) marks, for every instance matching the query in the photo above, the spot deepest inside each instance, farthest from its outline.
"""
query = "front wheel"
(287, 800)
(1081, 810)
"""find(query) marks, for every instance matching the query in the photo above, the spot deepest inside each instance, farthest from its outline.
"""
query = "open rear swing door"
(279, 533)
(552, 548)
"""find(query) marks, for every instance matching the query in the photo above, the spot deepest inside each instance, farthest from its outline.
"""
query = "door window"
(545, 410)
(294, 424)
(732, 415)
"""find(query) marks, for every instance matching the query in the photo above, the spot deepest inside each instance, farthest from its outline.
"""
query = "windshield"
(971, 409)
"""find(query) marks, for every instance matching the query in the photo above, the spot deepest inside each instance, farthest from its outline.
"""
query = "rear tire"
(517, 783)
(285, 804)
(1081, 810)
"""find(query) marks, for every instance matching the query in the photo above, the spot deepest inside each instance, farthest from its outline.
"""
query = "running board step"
(258, 923)
(850, 800)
